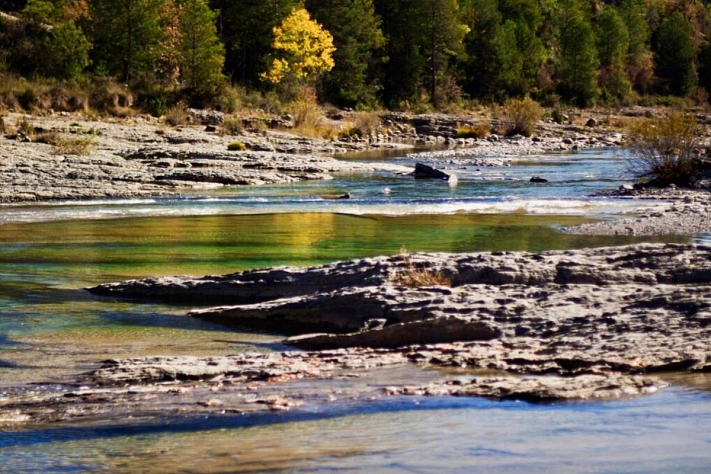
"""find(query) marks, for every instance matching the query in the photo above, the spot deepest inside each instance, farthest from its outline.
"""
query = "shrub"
(232, 125)
(479, 130)
(74, 146)
(237, 146)
(176, 115)
(520, 116)
(414, 276)
(663, 150)
(25, 127)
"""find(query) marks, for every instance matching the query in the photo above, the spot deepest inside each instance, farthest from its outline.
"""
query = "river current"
(50, 328)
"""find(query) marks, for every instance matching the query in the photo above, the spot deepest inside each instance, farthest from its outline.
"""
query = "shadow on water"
(185, 424)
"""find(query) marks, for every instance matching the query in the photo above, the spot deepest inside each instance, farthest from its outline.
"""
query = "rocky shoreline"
(576, 325)
(144, 157)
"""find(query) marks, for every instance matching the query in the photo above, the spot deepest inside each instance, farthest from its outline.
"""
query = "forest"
(362, 54)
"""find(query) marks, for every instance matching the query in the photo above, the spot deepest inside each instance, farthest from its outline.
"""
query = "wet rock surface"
(141, 156)
(577, 325)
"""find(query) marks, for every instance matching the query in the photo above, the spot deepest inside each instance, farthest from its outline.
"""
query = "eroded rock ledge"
(574, 325)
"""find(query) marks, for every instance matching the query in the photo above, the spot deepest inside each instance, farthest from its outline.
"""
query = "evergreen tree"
(67, 52)
(128, 34)
(613, 45)
(404, 28)
(202, 56)
(674, 56)
(639, 57)
(578, 62)
(359, 40)
(509, 61)
(445, 34)
(245, 27)
(484, 45)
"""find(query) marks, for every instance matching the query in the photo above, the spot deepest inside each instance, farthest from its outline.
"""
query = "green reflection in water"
(92, 251)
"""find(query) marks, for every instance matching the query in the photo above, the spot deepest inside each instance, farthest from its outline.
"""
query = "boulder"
(428, 172)
(538, 179)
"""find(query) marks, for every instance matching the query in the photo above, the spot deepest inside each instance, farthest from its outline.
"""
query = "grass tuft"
(414, 276)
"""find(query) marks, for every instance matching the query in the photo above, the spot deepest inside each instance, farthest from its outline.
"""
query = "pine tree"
(613, 45)
(127, 35)
(67, 52)
(202, 55)
(639, 57)
(674, 56)
(245, 27)
(578, 62)
(359, 40)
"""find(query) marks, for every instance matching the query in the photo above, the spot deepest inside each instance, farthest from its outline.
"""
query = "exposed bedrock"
(634, 309)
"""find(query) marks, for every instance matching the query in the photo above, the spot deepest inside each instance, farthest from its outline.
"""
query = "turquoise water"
(51, 329)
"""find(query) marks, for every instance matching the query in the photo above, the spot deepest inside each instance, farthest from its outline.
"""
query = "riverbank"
(64, 156)
(593, 324)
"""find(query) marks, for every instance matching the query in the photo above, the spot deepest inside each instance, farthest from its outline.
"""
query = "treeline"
(392, 53)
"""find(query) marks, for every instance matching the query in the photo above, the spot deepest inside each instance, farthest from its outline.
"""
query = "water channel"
(50, 328)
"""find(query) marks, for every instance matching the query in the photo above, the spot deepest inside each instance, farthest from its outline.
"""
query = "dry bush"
(108, 96)
(3, 127)
(520, 117)
(664, 150)
(415, 277)
(309, 120)
(481, 129)
(26, 128)
(368, 123)
(176, 115)
(232, 125)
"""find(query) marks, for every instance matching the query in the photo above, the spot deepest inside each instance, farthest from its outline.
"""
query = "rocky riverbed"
(575, 325)
(62, 156)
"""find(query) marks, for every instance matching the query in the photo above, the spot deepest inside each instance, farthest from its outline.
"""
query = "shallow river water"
(50, 328)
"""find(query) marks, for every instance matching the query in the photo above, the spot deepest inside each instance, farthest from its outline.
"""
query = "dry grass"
(664, 150)
(176, 115)
(414, 276)
(232, 125)
(74, 146)
(481, 129)
(520, 117)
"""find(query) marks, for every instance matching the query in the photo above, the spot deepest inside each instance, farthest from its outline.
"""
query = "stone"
(427, 172)
(538, 179)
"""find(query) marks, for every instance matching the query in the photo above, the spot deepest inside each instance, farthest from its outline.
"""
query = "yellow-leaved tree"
(303, 51)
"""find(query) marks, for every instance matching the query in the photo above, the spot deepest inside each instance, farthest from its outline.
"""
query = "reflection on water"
(50, 328)
(423, 435)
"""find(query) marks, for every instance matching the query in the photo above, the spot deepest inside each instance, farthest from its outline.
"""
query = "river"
(50, 328)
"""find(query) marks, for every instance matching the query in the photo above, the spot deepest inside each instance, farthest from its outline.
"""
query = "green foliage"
(67, 51)
(675, 55)
(131, 37)
(359, 42)
(578, 62)
(237, 146)
(202, 55)
(481, 129)
(663, 150)
(613, 42)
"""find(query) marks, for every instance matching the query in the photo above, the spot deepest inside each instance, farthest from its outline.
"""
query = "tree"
(303, 50)
(67, 51)
(445, 39)
(359, 40)
(202, 55)
(245, 27)
(674, 56)
(128, 36)
(639, 58)
(578, 62)
(613, 45)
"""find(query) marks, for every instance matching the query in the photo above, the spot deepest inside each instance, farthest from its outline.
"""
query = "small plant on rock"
(416, 276)
(237, 146)
(664, 150)
(520, 116)
(74, 146)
